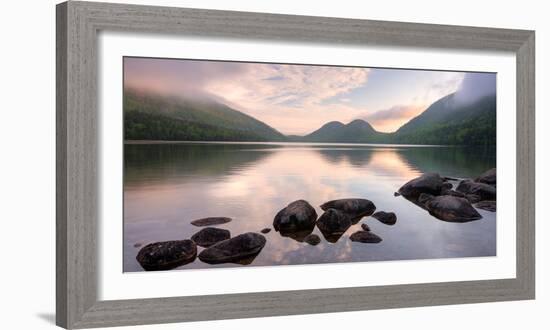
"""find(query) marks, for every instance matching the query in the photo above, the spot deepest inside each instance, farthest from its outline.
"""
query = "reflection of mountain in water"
(209, 161)
(353, 155)
(458, 161)
(179, 160)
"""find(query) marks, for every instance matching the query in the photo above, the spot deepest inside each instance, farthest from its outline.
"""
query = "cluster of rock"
(219, 246)
(435, 194)
(298, 219)
(432, 192)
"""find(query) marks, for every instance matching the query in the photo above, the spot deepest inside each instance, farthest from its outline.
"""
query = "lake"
(167, 185)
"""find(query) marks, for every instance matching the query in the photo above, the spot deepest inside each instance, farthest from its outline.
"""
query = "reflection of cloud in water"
(167, 188)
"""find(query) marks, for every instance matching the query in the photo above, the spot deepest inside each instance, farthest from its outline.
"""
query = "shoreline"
(137, 142)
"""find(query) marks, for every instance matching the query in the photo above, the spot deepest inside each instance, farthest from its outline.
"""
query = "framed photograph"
(216, 164)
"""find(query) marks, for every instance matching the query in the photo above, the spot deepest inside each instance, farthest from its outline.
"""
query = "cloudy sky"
(298, 99)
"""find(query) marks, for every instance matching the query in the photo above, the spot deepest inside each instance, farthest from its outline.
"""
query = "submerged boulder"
(489, 177)
(490, 206)
(210, 236)
(333, 224)
(429, 183)
(211, 221)
(296, 216)
(355, 208)
(167, 255)
(482, 190)
(387, 218)
(312, 239)
(365, 237)
(235, 249)
(452, 209)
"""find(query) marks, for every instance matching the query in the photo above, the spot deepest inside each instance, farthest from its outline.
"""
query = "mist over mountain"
(150, 116)
(475, 86)
(466, 117)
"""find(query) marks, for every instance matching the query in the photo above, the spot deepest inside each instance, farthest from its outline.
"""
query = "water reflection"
(168, 185)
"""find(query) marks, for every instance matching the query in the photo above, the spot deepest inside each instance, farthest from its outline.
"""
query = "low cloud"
(389, 120)
(476, 85)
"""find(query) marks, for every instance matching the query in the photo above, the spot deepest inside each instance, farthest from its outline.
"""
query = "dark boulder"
(167, 255)
(210, 221)
(490, 206)
(489, 177)
(365, 227)
(365, 237)
(446, 186)
(451, 192)
(210, 236)
(423, 198)
(355, 208)
(396, 194)
(296, 216)
(387, 218)
(298, 236)
(236, 249)
(472, 198)
(452, 209)
(482, 190)
(334, 222)
(312, 239)
(265, 230)
(429, 183)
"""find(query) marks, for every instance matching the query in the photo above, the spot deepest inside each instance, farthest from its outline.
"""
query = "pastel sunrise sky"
(298, 99)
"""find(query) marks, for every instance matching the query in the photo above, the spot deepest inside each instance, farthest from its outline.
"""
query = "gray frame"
(77, 150)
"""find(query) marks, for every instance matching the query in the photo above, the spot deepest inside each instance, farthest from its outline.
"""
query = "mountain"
(452, 121)
(357, 131)
(153, 117)
(449, 120)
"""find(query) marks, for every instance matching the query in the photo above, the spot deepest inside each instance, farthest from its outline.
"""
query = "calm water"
(168, 185)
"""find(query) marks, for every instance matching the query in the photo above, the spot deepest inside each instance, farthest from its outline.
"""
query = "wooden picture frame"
(78, 24)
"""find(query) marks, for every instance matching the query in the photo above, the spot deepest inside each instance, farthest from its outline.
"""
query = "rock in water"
(489, 177)
(490, 206)
(210, 221)
(423, 198)
(365, 227)
(472, 198)
(210, 236)
(297, 216)
(356, 208)
(365, 237)
(234, 249)
(452, 209)
(265, 230)
(429, 183)
(333, 224)
(167, 255)
(446, 186)
(387, 218)
(312, 239)
(482, 190)
(453, 193)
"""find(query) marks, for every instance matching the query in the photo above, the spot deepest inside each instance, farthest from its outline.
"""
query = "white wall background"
(27, 165)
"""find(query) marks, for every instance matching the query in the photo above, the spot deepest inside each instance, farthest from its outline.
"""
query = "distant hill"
(448, 121)
(357, 131)
(152, 117)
